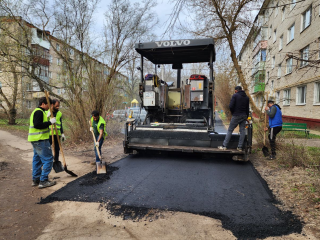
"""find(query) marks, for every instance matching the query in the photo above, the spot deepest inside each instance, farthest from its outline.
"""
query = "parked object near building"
(120, 115)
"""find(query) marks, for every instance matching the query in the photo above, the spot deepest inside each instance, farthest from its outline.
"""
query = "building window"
(306, 19)
(293, 4)
(270, 31)
(272, 85)
(277, 97)
(283, 13)
(274, 35)
(301, 95)
(317, 93)
(71, 52)
(279, 70)
(29, 87)
(304, 55)
(29, 104)
(289, 66)
(290, 33)
(273, 61)
(50, 74)
(277, 9)
(280, 42)
(58, 47)
(58, 61)
(59, 91)
(286, 96)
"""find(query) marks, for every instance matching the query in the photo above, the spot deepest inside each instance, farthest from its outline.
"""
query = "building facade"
(48, 58)
(281, 57)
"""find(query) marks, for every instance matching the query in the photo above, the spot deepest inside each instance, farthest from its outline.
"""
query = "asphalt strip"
(139, 187)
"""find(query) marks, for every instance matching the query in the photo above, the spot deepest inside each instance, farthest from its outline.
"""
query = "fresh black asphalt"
(217, 187)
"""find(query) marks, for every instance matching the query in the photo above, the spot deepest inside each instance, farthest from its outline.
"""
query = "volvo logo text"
(173, 43)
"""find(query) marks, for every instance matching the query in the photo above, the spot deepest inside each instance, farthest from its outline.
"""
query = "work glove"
(91, 129)
(97, 144)
(63, 137)
(48, 114)
(53, 120)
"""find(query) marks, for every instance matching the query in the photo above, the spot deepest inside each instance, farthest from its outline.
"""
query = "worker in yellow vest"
(39, 138)
(58, 115)
(98, 125)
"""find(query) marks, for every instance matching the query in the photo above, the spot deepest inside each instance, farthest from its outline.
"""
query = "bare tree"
(224, 20)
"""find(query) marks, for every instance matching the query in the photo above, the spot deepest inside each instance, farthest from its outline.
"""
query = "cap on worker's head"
(238, 88)
(270, 101)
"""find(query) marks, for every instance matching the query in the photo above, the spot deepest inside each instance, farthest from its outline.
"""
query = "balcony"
(259, 81)
(258, 67)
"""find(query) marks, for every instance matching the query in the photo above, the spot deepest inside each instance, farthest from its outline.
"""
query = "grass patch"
(298, 134)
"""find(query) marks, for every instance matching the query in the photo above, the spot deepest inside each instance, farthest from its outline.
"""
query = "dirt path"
(22, 218)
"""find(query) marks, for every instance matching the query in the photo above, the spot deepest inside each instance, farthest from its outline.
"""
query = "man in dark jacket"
(275, 125)
(239, 107)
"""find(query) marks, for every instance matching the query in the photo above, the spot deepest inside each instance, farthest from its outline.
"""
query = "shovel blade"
(57, 166)
(265, 151)
(101, 167)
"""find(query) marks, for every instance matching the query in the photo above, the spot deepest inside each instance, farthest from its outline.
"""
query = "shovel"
(55, 128)
(101, 166)
(57, 165)
(265, 149)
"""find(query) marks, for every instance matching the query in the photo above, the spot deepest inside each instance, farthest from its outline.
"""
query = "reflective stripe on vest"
(38, 134)
(101, 121)
(58, 123)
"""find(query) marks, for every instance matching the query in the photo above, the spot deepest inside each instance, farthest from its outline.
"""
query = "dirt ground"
(22, 218)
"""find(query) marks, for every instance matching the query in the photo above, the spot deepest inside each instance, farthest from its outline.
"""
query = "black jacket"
(239, 104)
(38, 120)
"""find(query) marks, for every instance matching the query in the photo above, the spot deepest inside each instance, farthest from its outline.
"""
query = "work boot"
(47, 183)
(272, 157)
(222, 147)
(35, 182)
(239, 149)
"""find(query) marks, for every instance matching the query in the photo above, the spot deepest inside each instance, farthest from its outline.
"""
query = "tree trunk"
(12, 116)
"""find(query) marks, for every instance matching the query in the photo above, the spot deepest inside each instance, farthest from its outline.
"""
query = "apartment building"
(50, 55)
(281, 57)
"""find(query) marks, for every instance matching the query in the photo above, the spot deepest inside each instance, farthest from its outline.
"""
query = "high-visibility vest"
(38, 134)
(101, 121)
(58, 123)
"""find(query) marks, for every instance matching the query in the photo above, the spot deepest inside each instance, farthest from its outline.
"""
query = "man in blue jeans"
(239, 107)
(39, 137)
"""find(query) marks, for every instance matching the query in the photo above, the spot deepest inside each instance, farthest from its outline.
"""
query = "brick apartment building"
(281, 57)
(50, 68)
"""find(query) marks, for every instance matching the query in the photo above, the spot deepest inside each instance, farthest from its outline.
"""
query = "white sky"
(163, 10)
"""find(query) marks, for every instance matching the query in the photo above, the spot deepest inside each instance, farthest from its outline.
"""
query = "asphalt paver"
(220, 188)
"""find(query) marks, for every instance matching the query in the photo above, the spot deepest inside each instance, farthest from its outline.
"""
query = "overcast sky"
(163, 9)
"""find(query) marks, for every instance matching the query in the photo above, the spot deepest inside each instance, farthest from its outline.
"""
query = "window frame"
(289, 33)
(293, 4)
(303, 15)
(305, 95)
(279, 71)
(289, 59)
(281, 42)
(273, 62)
(286, 97)
(302, 62)
(316, 93)
(57, 46)
(278, 97)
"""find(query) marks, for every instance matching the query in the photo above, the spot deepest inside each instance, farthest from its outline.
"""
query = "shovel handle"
(265, 121)
(94, 139)
(55, 128)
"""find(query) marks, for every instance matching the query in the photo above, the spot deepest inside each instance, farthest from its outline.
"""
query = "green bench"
(296, 127)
